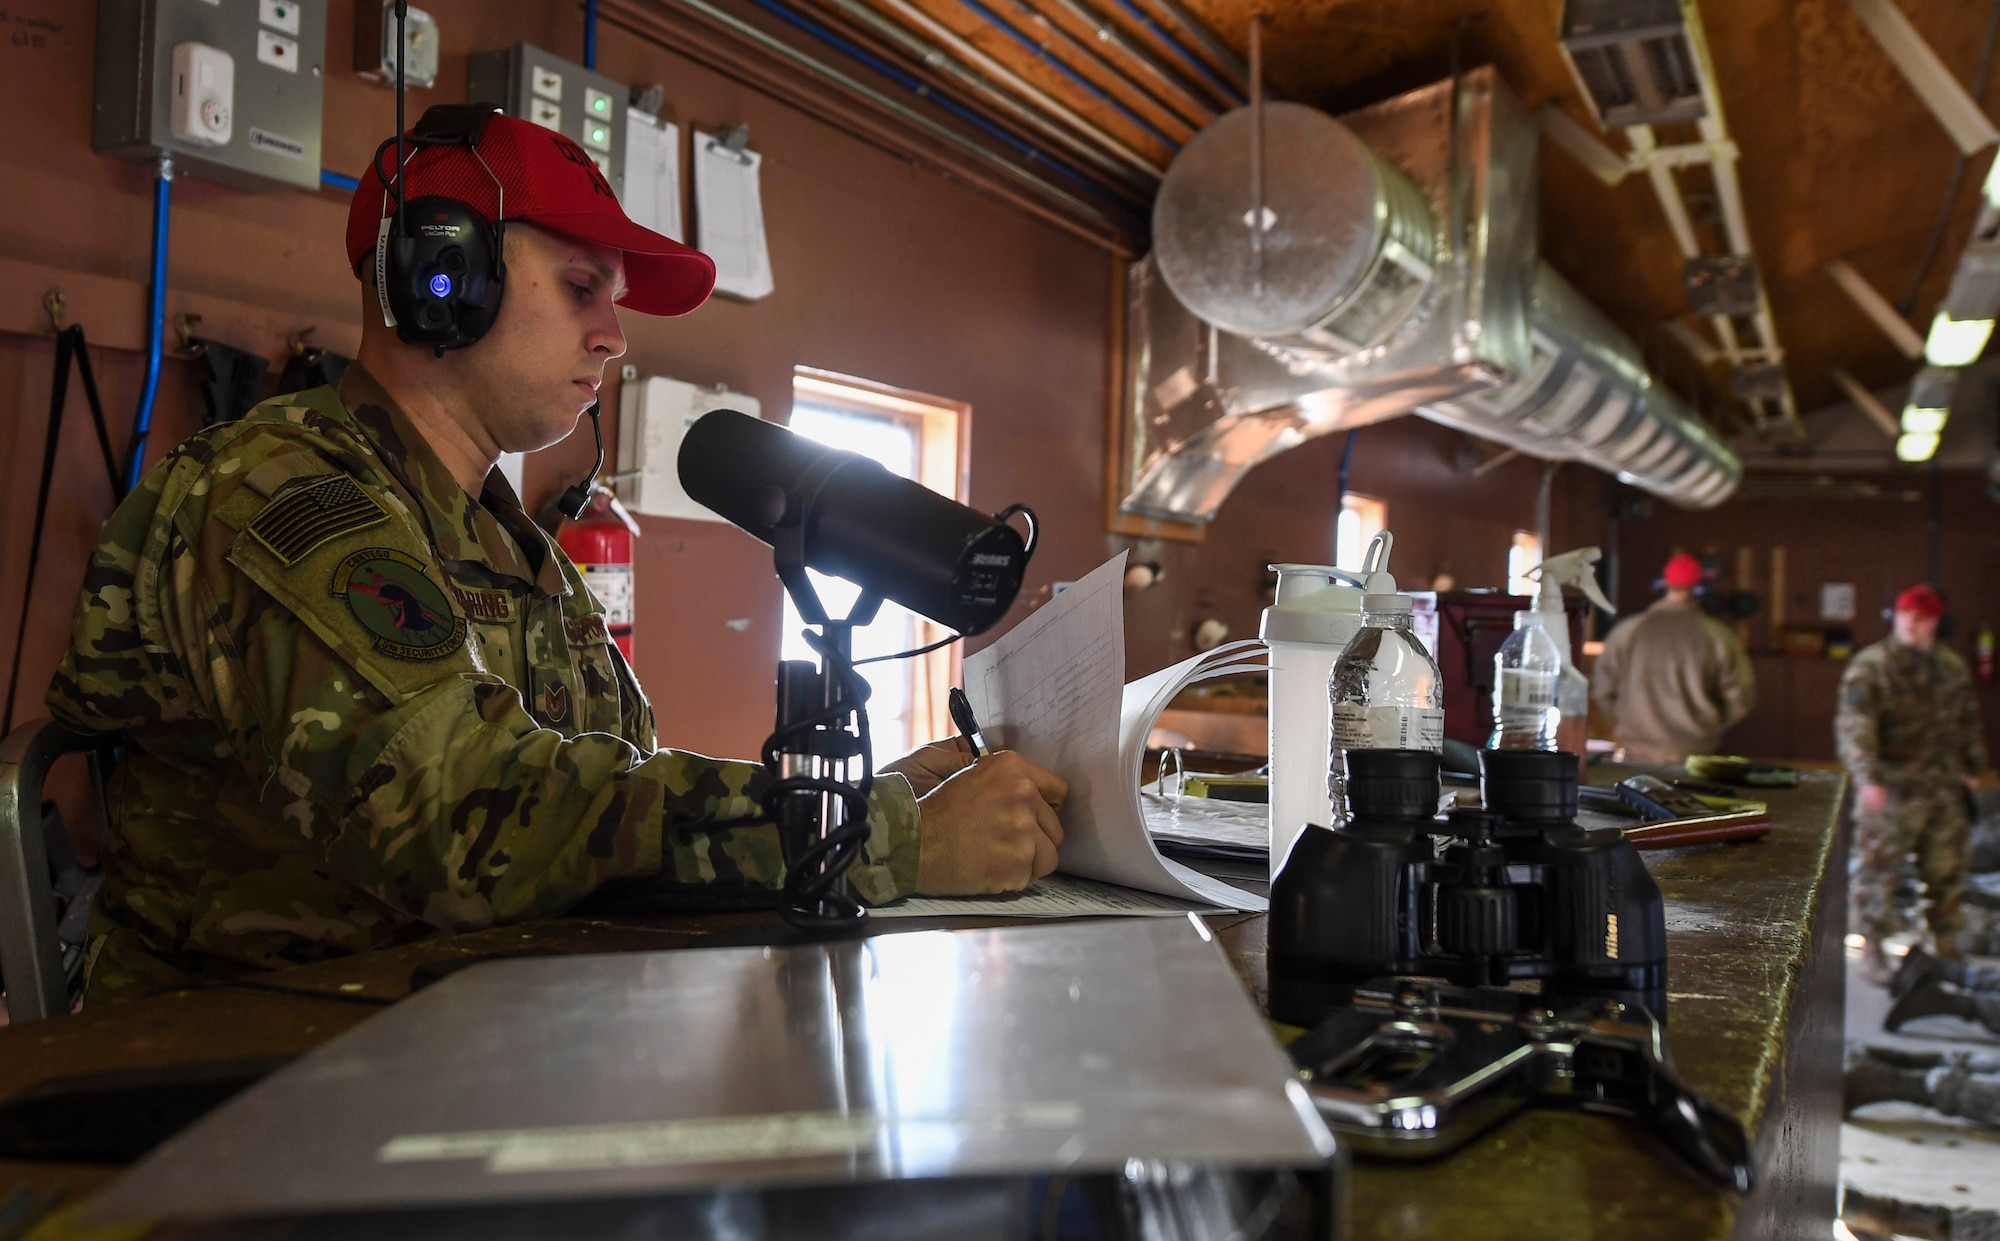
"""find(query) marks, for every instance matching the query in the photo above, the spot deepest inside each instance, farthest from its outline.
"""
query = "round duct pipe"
(1349, 242)
(1586, 396)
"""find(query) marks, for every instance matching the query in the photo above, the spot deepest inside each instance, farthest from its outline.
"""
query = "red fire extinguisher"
(1982, 654)
(600, 542)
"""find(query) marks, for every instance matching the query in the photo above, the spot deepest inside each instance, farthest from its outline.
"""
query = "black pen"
(968, 726)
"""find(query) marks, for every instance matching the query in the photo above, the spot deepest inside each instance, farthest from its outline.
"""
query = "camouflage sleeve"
(1855, 721)
(419, 774)
(1970, 729)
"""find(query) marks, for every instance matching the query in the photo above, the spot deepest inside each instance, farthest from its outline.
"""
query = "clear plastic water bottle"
(1385, 690)
(1527, 673)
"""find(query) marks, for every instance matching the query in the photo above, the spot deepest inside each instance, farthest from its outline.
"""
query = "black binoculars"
(1511, 892)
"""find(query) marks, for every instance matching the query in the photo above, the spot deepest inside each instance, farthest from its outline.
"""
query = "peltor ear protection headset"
(438, 271)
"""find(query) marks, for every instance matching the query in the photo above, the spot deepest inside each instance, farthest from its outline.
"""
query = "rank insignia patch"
(307, 514)
(401, 608)
(555, 703)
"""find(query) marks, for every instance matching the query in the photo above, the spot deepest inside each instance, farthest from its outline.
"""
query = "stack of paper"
(1053, 689)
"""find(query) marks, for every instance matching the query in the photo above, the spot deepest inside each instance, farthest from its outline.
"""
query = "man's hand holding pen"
(989, 823)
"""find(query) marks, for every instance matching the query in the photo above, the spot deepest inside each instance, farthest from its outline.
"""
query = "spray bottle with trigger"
(1572, 689)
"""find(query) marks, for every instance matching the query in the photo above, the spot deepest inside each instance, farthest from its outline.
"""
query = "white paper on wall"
(653, 174)
(729, 217)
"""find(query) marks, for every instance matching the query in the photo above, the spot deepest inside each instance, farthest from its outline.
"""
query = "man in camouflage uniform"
(365, 699)
(1908, 730)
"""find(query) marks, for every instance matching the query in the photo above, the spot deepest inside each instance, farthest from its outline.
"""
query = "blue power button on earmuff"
(440, 285)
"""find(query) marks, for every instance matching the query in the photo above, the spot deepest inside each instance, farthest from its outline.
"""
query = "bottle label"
(1356, 727)
(1527, 690)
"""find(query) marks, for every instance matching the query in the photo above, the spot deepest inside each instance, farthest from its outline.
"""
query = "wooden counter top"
(1754, 1013)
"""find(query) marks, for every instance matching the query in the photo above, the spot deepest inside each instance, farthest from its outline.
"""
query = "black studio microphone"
(901, 540)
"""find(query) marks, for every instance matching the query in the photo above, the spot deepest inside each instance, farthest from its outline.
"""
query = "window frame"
(944, 464)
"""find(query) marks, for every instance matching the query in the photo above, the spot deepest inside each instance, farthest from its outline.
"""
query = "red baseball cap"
(1683, 572)
(1922, 600)
(551, 183)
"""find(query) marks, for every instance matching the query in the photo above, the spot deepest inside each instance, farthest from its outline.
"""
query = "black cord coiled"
(813, 878)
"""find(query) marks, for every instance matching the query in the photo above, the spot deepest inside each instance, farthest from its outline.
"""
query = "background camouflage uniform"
(1908, 721)
(363, 707)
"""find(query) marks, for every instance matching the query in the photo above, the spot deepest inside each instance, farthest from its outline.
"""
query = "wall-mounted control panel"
(233, 88)
(525, 81)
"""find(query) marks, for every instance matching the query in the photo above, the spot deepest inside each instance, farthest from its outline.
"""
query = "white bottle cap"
(1388, 603)
(1314, 605)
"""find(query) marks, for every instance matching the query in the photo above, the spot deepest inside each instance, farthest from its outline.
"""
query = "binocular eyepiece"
(1511, 892)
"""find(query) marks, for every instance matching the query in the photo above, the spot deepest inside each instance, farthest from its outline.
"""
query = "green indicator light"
(597, 134)
(600, 103)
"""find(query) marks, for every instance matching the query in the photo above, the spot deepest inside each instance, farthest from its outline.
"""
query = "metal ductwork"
(1369, 296)
(1586, 396)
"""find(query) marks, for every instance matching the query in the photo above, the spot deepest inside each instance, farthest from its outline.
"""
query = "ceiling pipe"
(1042, 53)
(1094, 68)
(1169, 88)
(1225, 94)
(1229, 62)
(954, 43)
(930, 56)
(1877, 308)
(719, 39)
(916, 86)
(1949, 102)
(1600, 160)
(1865, 401)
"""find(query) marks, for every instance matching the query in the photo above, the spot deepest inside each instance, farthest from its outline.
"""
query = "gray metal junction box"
(234, 89)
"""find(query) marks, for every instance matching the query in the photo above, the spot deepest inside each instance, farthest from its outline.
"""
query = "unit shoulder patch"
(398, 604)
(305, 515)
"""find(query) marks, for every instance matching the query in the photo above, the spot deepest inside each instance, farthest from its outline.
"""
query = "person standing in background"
(1672, 680)
(1908, 731)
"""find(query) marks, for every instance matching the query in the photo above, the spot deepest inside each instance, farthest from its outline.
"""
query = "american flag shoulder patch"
(310, 512)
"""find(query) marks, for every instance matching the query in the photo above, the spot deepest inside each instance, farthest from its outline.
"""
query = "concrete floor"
(1910, 1171)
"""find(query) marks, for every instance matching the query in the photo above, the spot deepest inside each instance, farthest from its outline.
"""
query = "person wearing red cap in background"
(365, 699)
(1908, 731)
(1671, 679)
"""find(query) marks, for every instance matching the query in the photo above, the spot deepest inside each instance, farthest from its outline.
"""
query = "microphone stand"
(819, 753)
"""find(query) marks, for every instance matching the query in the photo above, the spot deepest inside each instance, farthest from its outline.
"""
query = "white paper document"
(729, 217)
(1051, 896)
(653, 173)
(1053, 688)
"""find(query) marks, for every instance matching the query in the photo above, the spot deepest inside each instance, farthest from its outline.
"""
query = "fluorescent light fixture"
(1923, 421)
(1910, 447)
(1956, 342)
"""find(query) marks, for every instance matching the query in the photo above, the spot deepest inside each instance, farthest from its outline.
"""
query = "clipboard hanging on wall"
(729, 213)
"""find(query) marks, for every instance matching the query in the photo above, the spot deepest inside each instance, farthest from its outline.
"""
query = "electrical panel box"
(233, 89)
(653, 417)
(582, 105)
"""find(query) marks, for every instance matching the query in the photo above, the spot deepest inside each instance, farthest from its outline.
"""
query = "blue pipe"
(1224, 90)
(156, 326)
(590, 34)
(338, 180)
(1000, 24)
(918, 86)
